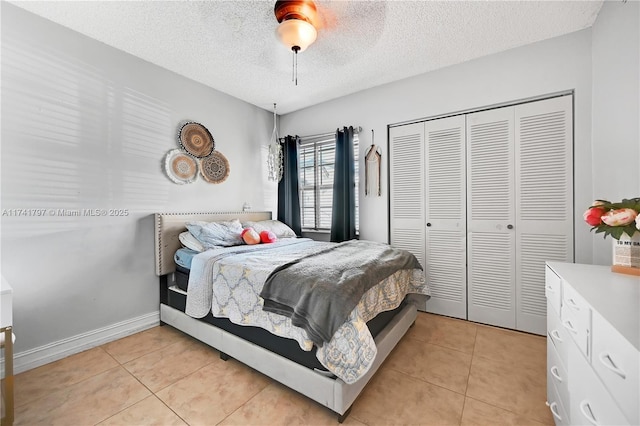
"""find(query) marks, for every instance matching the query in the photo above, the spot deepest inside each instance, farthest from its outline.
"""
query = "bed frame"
(330, 392)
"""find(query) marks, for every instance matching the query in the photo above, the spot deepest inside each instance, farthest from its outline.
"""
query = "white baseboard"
(42, 355)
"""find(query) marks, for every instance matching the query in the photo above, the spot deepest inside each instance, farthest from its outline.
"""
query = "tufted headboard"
(169, 225)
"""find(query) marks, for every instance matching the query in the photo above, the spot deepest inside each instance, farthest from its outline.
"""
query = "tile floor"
(444, 372)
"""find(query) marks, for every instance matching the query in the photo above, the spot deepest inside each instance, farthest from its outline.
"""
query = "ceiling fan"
(297, 30)
(301, 20)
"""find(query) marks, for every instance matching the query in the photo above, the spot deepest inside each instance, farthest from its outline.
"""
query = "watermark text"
(64, 212)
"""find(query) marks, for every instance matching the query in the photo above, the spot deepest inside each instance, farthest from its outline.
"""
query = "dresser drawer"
(558, 336)
(556, 406)
(590, 401)
(552, 290)
(575, 315)
(557, 373)
(617, 363)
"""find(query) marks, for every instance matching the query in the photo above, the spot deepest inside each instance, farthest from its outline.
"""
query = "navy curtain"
(343, 219)
(288, 193)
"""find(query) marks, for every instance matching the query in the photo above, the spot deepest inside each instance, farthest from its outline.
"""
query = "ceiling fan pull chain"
(296, 65)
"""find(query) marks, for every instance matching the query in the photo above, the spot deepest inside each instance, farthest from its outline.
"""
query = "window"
(315, 168)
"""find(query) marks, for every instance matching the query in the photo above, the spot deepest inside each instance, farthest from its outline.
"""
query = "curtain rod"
(356, 129)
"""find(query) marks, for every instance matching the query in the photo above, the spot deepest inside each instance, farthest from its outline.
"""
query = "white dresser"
(593, 345)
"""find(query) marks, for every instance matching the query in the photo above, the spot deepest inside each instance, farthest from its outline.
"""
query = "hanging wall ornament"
(180, 167)
(196, 139)
(372, 160)
(274, 158)
(215, 168)
(274, 162)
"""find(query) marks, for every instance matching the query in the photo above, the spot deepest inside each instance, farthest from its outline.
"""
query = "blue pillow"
(184, 256)
(216, 234)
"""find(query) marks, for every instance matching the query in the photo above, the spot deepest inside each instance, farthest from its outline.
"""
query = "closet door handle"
(428, 223)
(606, 360)
(509, 226)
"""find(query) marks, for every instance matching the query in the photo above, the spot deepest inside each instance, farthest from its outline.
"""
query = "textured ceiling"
(231, 45)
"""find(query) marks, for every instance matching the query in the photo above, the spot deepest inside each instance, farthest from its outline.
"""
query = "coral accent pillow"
(280, 229)
(250, 236)
(268, 237)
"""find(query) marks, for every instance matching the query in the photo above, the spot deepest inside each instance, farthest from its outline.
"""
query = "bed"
(292, 359)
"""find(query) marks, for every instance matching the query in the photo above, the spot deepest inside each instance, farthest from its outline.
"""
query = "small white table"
(6, 341)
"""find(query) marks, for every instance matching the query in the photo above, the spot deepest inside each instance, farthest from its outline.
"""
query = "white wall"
(85, 126)
(549, 66)
(616, 110)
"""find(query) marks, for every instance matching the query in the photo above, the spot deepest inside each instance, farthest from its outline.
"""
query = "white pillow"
(190, 242)
(281, 230)
(216, 234)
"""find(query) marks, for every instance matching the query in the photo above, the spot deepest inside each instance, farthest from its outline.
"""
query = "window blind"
(316, 167)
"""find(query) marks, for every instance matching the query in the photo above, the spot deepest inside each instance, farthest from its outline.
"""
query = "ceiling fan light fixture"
(296, 17)
(296, 34)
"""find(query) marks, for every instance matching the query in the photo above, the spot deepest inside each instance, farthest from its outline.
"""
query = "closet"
(483, 199)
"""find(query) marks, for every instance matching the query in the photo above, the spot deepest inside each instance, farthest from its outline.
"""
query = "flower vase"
(626, 254)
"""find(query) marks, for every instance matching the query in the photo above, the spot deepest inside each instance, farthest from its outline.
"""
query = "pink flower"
(619, 217)
(593, 215)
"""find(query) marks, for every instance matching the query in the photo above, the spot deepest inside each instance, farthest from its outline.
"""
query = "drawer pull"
(606, 360)
(567, 324)
(554, 410)
(572, 304)
(556, 335)
(584, 406)
(554, 373)
(550, 289)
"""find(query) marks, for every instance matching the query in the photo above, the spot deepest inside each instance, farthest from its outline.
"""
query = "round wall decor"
(180, 167)
(196, 139)
(214, 168)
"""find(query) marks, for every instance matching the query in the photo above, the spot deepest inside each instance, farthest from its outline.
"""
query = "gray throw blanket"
(318, 292)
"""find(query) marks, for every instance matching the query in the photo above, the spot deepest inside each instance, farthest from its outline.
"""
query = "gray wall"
(549, 66)
(616, 110)
(85, 126)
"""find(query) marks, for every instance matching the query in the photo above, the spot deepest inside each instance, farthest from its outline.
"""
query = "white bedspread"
(227, 282)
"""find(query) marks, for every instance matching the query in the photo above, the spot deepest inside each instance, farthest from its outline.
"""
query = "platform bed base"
(333, 393)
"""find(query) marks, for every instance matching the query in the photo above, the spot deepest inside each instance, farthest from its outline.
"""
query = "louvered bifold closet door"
(406, 183)
(544, 201)
(446, 258)
(491, 218)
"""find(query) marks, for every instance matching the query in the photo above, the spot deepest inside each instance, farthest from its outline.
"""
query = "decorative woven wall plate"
(215, 168)
(196, 139)
(180, 167)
